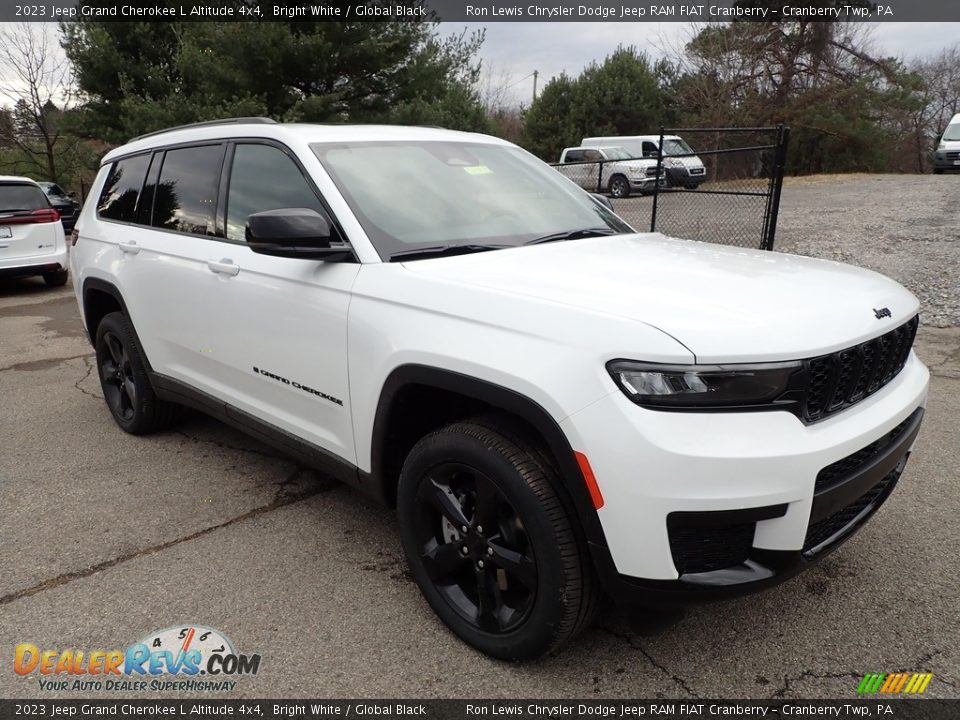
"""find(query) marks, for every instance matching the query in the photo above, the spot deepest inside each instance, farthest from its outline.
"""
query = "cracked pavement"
(106, 537)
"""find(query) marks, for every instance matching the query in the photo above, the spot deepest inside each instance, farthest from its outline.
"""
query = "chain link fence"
(737, 197)
(718, 185)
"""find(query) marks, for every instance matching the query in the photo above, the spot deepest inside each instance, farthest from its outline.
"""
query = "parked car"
(686, 171)
(556, 405)
(62, 203)
(947, 155)
(609, 169)
(31, 235)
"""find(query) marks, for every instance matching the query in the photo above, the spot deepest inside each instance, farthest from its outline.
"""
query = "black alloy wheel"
(475, 548)
(124, 380)
(116, 374)
(490, 542)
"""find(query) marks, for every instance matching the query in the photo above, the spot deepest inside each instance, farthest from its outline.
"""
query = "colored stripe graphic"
(894, 683)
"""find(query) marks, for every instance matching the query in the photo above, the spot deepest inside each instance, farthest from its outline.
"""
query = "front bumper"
(946, 161)
(681, 490)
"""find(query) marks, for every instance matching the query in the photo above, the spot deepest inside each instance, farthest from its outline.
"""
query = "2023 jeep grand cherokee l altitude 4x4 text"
(557, 405)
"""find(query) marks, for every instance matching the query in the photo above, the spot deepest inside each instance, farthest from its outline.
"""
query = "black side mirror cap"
(293, 233)
(602, 200)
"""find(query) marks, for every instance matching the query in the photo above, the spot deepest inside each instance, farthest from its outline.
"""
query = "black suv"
(62, 203)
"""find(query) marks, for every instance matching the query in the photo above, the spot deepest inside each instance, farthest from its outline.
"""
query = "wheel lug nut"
(479, 528)
(465, 550)
(490, 551)
(480, 564)
(464, 529)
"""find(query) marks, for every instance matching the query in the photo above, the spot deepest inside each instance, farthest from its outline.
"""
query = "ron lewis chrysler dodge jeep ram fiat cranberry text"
(557, 406)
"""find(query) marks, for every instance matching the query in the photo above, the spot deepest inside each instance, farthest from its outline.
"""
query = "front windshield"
(676, 146)
(952, 132)
(617, 153)
(409, 195)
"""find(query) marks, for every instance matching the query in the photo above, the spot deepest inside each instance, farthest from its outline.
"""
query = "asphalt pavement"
(106, 537)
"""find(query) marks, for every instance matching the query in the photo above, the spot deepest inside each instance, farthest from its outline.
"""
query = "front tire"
(124, 381)
(619, 187)
(490, 543)
(56, 278)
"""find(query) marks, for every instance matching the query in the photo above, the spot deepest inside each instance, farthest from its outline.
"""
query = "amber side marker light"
(590, 479)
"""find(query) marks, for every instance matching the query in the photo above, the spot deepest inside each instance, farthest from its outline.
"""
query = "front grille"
(698, 550)
(822, 535)
(841, 469)
(651, 171)
(953, 156)
(840, 379)
(697, 171)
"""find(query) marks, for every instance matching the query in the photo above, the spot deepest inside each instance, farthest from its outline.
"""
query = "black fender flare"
(104, 286)
(497, 396)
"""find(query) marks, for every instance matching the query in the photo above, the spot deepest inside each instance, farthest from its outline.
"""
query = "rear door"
(28, 228)
(160, 211)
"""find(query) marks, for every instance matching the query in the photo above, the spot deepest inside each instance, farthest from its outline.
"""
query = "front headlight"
(703, 386)
(673, 162)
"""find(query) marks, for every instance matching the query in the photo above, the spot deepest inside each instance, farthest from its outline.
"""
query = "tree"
(139, 77)
(844, 103)
(624, 95)
(39, 81)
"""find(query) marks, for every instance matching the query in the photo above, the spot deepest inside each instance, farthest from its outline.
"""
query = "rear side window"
(185, 198)
(262, 178)
(20, 196)
(573, 156)
(118, 201)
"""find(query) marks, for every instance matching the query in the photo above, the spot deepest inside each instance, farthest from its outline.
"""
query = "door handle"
(129, 247)
(224, 267)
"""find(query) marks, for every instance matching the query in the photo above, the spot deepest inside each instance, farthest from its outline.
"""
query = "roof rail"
(208, 123)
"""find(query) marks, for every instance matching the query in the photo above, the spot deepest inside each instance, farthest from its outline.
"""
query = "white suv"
(31, 234)
(556, 405)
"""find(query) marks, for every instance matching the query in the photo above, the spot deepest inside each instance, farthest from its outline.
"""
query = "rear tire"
(56, 278)
(124, 380)
(490, 543)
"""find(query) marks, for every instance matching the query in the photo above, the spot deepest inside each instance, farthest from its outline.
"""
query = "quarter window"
(264, 178)
(185, 198)
(118, 200)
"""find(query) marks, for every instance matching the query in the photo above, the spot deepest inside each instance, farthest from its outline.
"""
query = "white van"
(687, 172)
(947, 154)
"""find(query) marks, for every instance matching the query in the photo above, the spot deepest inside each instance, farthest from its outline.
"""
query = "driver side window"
(263, 177)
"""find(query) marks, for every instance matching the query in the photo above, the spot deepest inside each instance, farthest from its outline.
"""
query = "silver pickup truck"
(608, 169)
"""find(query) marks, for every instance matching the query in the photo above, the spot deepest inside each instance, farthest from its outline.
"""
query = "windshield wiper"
(441, 250)
(572, 235)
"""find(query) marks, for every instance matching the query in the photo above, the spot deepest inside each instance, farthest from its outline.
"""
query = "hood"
(724, 304)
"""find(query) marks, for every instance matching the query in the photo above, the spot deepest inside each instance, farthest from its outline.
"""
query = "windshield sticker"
(478, 170)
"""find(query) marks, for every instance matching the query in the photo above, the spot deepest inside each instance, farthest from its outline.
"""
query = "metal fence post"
(656, 183)
(776, 187)
(600, 177)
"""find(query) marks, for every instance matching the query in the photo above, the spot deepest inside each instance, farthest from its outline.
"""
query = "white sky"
(517, 49)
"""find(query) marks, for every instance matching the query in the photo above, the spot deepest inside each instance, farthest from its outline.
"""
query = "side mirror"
(293, 233)
(602, 200)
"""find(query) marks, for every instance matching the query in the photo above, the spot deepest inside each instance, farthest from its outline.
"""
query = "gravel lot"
(904, 226)
(106, 536)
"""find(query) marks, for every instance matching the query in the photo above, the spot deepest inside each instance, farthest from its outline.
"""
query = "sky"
(512, 51)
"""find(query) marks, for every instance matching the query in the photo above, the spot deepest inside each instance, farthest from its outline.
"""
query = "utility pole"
(536, 74)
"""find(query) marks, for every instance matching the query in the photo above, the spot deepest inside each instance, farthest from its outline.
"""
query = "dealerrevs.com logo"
(185, 658)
